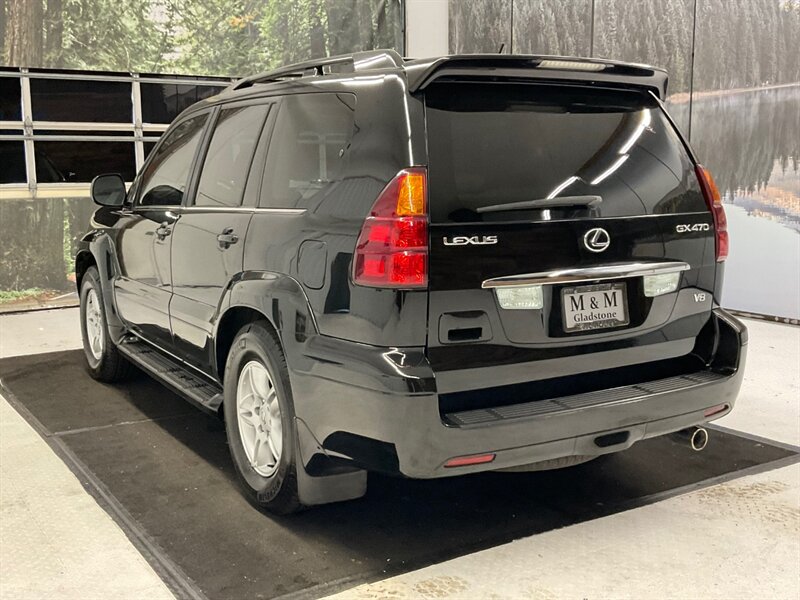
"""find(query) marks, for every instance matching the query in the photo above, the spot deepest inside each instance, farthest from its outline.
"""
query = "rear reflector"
(715, 410)
(463, 461)
(714, 203)
(392, 248)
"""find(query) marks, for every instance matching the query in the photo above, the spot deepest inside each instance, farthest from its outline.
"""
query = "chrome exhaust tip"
(699, 439)
(696, 436)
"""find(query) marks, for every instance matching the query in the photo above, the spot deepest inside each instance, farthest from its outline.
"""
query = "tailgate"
(579, 195)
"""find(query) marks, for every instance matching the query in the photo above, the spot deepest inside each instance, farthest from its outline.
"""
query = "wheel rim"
(95, 333)
(259, 416)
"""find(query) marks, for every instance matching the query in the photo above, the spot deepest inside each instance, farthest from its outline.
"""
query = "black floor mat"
(168, 466)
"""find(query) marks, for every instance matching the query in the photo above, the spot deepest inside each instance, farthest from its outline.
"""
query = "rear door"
(533, 182)
(208, 241)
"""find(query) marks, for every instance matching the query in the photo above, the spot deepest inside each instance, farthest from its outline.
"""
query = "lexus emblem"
(596, 240)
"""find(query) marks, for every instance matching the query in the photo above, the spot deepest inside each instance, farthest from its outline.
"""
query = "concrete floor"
(740, 539)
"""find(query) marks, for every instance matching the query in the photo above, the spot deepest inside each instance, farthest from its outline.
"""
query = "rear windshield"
(608, 152)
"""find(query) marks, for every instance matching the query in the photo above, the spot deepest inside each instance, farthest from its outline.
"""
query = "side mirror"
(108, 190)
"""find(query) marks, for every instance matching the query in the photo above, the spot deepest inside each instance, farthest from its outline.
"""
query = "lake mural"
(751, 142)
(734, 91)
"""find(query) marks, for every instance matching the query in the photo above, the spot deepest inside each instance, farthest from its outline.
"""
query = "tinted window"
(83, 161)
(307, 152)
(165, 177)
(10, 93)
(163, 102)
(12, 162)
(495, 144)
(229, 156)
(75, 100)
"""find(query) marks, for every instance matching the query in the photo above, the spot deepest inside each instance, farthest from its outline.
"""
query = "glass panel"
(162, 102)
(10, 94)
(12, 162)
(166, 175)
(83, 101)
(82, 161)
(307, 150)
(229, 156)
(148, 148)
(567, 141)
(553, 27)
(480, 26)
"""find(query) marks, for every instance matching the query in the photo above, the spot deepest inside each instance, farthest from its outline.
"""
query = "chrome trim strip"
(285, 211)
(581, 274)
(220, 209)
(239, 209)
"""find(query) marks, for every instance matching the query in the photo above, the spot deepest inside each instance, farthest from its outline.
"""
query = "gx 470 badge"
(695, 227)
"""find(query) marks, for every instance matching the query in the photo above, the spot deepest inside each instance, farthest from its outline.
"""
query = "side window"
(307, 152)
(165, 177)
(229, 156)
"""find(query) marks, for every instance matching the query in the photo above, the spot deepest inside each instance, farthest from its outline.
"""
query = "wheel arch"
(229, 324)
(83, 260)
(278, 300)
(96, 249)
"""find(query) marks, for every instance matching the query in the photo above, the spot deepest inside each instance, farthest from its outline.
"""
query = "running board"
(173, 374)
(538, 408)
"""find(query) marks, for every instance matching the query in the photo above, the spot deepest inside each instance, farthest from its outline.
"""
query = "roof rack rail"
(358, 61)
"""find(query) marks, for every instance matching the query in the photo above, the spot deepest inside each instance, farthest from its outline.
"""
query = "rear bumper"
(380, 410)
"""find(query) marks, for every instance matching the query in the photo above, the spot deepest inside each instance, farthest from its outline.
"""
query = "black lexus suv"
(419, 267)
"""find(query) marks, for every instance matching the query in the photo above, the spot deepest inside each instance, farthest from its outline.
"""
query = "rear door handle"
(227, 238)
(163, 230)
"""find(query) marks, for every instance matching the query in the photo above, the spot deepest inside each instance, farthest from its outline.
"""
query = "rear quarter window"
(308, 150)
(500, 143)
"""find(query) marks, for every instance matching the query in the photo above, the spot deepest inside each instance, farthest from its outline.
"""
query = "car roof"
(419, 73)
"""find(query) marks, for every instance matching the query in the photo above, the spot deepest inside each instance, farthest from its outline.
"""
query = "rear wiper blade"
(563, 201)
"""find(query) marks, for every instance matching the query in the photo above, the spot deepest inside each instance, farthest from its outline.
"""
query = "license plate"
(594, 306)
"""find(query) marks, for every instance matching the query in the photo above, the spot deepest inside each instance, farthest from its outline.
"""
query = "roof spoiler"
(540, 67)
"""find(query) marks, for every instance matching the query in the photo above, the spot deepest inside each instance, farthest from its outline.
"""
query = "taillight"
(392, 248)
(714, 202)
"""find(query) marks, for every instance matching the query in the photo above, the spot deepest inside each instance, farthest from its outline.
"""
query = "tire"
(267, 483)
(103, 360)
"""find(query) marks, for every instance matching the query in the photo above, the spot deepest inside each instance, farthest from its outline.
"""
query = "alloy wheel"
(259, 417)
(95, 332)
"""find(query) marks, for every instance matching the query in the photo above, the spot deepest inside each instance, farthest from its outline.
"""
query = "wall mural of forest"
(195, 37)
(739, 102)
(737, 98)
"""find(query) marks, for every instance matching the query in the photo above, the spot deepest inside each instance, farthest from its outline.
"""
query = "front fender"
(98, 245)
